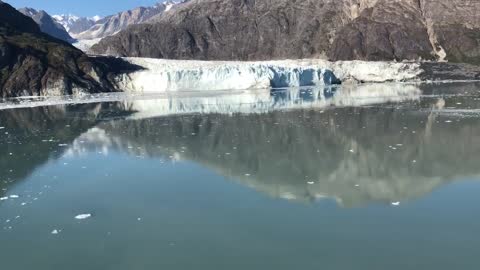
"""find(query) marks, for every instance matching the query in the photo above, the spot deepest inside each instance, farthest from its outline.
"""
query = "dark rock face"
(47, 24)
(338, 30)
(455, 27)
(232, 30)
(34, 63)
(388, 31)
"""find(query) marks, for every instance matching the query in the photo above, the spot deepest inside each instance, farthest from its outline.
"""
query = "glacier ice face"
(161, 75)
(173, 75)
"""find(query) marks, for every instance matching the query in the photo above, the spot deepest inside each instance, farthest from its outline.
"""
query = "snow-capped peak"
(96, 18)
(75, 24)
(168, 5)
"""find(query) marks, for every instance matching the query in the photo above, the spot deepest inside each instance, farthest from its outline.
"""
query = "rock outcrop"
(338, 30)
(34, 63)
(47, 24)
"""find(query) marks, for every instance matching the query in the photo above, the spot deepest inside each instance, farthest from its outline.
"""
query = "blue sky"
(86, 8)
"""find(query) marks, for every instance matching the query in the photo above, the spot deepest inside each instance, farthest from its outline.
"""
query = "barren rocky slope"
(47, 24)
(335, 29)
(34, 63)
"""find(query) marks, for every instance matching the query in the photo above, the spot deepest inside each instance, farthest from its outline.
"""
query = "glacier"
(160, 75)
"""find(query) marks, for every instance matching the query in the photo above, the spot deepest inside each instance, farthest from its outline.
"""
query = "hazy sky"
(86, 8)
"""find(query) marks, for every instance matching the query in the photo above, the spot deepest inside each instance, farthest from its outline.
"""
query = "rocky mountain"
(110, 25)
(34, 63)
(74, 24)
(47, 24)
(334, 29)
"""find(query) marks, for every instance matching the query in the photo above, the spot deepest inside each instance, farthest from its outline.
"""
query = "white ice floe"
(14, 196)
(55, 231)
(395, 203)
(83, 216)
(159, 75)
(3, 198)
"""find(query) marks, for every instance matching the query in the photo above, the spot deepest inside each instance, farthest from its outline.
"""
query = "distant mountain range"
(74, 24)
(111, 25)
(47, 24)
(84, 31)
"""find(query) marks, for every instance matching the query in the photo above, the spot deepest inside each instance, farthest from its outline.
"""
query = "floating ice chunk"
(14, 196)
(352, 151)
(83, 216)
(310, 183)
(55, 231)
(2, 127)
(3, 198)
(395, 203)
(448, 121)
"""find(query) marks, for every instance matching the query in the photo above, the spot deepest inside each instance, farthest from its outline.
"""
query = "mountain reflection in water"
(300, 144)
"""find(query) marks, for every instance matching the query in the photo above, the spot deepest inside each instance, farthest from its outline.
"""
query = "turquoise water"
(294, 183)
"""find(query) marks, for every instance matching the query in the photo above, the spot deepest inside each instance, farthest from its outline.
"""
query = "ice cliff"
(176, 75)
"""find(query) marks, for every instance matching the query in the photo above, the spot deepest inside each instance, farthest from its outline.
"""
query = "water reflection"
(264, 101)
(330, 148)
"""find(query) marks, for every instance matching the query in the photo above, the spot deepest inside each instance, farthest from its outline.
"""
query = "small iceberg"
(83, 216)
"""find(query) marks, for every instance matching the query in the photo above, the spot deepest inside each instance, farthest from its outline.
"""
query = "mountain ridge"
(112, 24)
(47, 23)
(337, 30)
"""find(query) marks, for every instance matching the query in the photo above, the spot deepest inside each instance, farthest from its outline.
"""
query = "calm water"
(379, 177)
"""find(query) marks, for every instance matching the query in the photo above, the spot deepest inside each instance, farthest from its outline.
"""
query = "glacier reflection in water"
(224, 181)
(263, 101)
